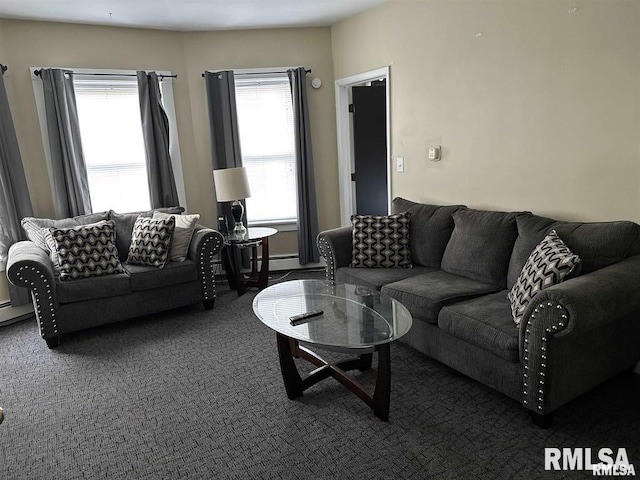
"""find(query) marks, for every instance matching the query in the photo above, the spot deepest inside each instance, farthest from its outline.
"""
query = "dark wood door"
(370, 149)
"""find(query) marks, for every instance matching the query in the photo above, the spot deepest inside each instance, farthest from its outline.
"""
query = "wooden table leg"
(382, 393)
(290, 375)
(229, 266)
(366, 360)
(237, 261)
(263, 279)
(254, 261)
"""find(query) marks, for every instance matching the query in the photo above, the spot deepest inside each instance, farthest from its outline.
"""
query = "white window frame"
(166, 89)
(284, 225)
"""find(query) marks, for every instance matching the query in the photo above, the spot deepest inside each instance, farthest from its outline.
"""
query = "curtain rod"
(307, 70)
(37, 74)
(4, 68)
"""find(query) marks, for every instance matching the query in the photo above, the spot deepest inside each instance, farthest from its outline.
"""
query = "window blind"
(112, 142)
(265, 124)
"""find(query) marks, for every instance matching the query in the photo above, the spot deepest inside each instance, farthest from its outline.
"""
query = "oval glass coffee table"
(354, 321)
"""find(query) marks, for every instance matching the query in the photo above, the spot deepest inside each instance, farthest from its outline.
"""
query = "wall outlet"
(400, 164)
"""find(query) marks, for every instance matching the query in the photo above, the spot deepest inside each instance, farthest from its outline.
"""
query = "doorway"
(364, 146)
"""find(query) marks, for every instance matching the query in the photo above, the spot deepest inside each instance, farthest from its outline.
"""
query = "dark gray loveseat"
(573, 336)
(67, 306)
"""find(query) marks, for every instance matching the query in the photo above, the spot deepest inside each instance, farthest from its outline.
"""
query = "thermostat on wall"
(435, 153)
(316, 83)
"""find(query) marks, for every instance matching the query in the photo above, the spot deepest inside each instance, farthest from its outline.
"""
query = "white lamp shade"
(231, 184)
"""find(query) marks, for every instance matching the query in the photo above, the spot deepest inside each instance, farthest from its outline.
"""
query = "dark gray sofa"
(66, 306)
(573, 336)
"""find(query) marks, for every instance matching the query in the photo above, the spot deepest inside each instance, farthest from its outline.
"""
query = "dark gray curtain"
(307, 207)
(223, 121)
(71, 187)
(15, 202)
(155, 129)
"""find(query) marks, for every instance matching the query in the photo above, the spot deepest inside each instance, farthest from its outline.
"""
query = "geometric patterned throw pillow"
(381, 241)
(151, 241)
(37, 230)
(548, 265)
(86, 251)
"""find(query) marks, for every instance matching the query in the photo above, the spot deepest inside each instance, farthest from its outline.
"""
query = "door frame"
(345, 140)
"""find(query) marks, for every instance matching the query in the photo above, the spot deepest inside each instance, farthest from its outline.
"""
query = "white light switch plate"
(400, 164)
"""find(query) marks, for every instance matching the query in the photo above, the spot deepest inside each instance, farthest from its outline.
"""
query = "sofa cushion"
(381, 241)
(549, 264)
(91, 288)
(150, 241)
(425, 295)
(531, 230)
(430, 230)
(182, 233)
(375, 278)
(86, 251)
(598, 244)
(37, 230)
(484, 322)
(124, 226)
(480, 246)
(145, 277)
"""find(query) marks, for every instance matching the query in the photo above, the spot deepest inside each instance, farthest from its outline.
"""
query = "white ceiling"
(188, 14)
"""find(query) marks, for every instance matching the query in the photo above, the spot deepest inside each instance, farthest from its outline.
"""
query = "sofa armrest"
(336, 246)
(573, 312)
(30, 267)
(205, 245)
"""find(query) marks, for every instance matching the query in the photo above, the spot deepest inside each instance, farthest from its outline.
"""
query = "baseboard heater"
(279, 263)
(9, 314)
(286, 262)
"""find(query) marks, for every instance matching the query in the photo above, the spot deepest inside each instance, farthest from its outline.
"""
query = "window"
(265, 124)
(112, 142)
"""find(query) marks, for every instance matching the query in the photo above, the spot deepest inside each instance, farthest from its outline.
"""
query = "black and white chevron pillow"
(381, 241)
(549, 264)
(150, 241)
(86, 251)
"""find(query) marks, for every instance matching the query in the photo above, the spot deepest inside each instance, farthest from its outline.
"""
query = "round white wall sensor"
(316, 83)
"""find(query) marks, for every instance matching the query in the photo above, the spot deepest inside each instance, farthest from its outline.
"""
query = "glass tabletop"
(252, 234)
(354, 316)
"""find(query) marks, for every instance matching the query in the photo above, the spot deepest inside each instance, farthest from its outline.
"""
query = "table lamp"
(232, 185)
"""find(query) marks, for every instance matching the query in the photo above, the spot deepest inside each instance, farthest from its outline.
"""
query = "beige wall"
(4, 290)
(32, 44)
(540, 112)
(2, 47)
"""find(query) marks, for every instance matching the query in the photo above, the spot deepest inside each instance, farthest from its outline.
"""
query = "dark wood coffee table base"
(288, 349)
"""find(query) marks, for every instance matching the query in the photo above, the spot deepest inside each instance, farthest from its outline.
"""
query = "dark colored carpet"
(198, 394)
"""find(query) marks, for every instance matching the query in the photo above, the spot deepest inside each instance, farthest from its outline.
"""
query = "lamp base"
(239, 229)
(237, 210)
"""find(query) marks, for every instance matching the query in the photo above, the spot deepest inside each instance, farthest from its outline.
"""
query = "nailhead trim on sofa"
(208, 249)
(38, 301)
(556, 326)
(326, 252)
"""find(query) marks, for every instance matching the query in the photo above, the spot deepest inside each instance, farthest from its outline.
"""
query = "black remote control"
(304, 317)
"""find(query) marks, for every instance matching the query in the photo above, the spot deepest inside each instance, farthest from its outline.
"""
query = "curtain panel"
(155, 129)
(223, 123)
(307, 206)
(15, 202)
(70, 184)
